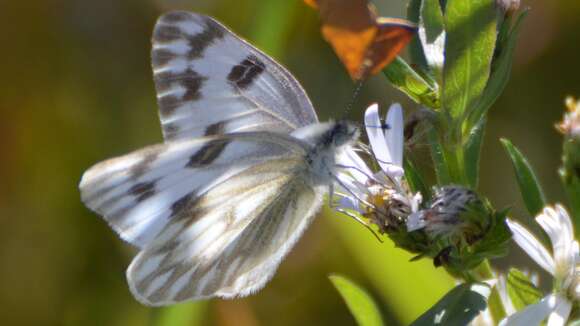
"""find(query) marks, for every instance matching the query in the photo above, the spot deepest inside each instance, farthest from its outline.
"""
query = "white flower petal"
(558, 226)
(561, 312)
(394, 134)
(565, 220)
(532, 314)
(531, 246)
(549, 222)
(377, 137)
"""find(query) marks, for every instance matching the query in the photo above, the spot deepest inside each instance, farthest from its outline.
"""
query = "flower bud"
(507, 7)
(449, 213)
(570, 125)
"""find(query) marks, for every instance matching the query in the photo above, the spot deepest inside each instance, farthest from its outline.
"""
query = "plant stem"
(454, 159)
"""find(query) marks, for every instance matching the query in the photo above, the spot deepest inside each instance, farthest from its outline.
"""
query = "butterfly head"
(344, 132)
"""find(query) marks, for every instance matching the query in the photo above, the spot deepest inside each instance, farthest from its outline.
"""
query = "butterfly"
(243, 169)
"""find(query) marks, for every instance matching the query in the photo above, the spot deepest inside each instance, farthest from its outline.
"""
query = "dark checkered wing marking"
(209, 81)
(239, 237)
(139, 194)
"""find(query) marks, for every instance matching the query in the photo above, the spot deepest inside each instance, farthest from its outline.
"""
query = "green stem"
(455, 163)
(483, 271)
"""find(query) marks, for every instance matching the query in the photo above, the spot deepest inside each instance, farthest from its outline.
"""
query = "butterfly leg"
(360, 221)
(330, 195)
(370, 177)
(357, 197)
(347, 213)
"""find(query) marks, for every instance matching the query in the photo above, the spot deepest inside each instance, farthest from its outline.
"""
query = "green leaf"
(521, 290)
(359, 302)
(183, 314)
(432, 19)
(404, 78)
(470, 41)
(415, 179)
(458, 307)
(500, 69)
(472, 153)
(530, 189)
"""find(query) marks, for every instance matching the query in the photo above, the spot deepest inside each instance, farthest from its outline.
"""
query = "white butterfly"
(242, 172)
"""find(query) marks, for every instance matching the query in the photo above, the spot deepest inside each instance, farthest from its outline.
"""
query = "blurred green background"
(76, 88)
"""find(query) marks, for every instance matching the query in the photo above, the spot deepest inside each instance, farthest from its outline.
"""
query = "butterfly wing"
(213, 216)
(138, 193)
(209, 81)
(227, 246)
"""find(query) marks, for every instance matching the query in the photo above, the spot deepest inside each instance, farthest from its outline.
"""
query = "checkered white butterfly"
(242, 171)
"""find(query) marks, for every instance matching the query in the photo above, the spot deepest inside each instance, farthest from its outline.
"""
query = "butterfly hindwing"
(230, 241)
(209, 81)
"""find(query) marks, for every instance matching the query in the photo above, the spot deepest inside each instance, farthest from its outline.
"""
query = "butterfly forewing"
(209, 81)
(140, 192)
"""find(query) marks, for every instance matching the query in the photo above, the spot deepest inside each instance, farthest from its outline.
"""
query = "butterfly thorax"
(327, 141)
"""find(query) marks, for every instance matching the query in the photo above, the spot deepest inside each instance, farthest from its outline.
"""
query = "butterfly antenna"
(359, 84)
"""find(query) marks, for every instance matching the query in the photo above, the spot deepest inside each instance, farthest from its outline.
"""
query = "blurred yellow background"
(76, 88)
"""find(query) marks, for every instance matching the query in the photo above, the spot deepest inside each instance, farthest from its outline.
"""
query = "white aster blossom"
(382, 196)
(562, 263)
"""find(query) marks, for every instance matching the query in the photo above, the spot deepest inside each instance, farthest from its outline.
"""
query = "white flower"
(381, 196)
(562, 264)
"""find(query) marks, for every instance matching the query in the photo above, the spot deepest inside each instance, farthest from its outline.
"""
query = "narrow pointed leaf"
(359, 302)
(415, 48)
(470, 41)
(530, 189)
(501, 67)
